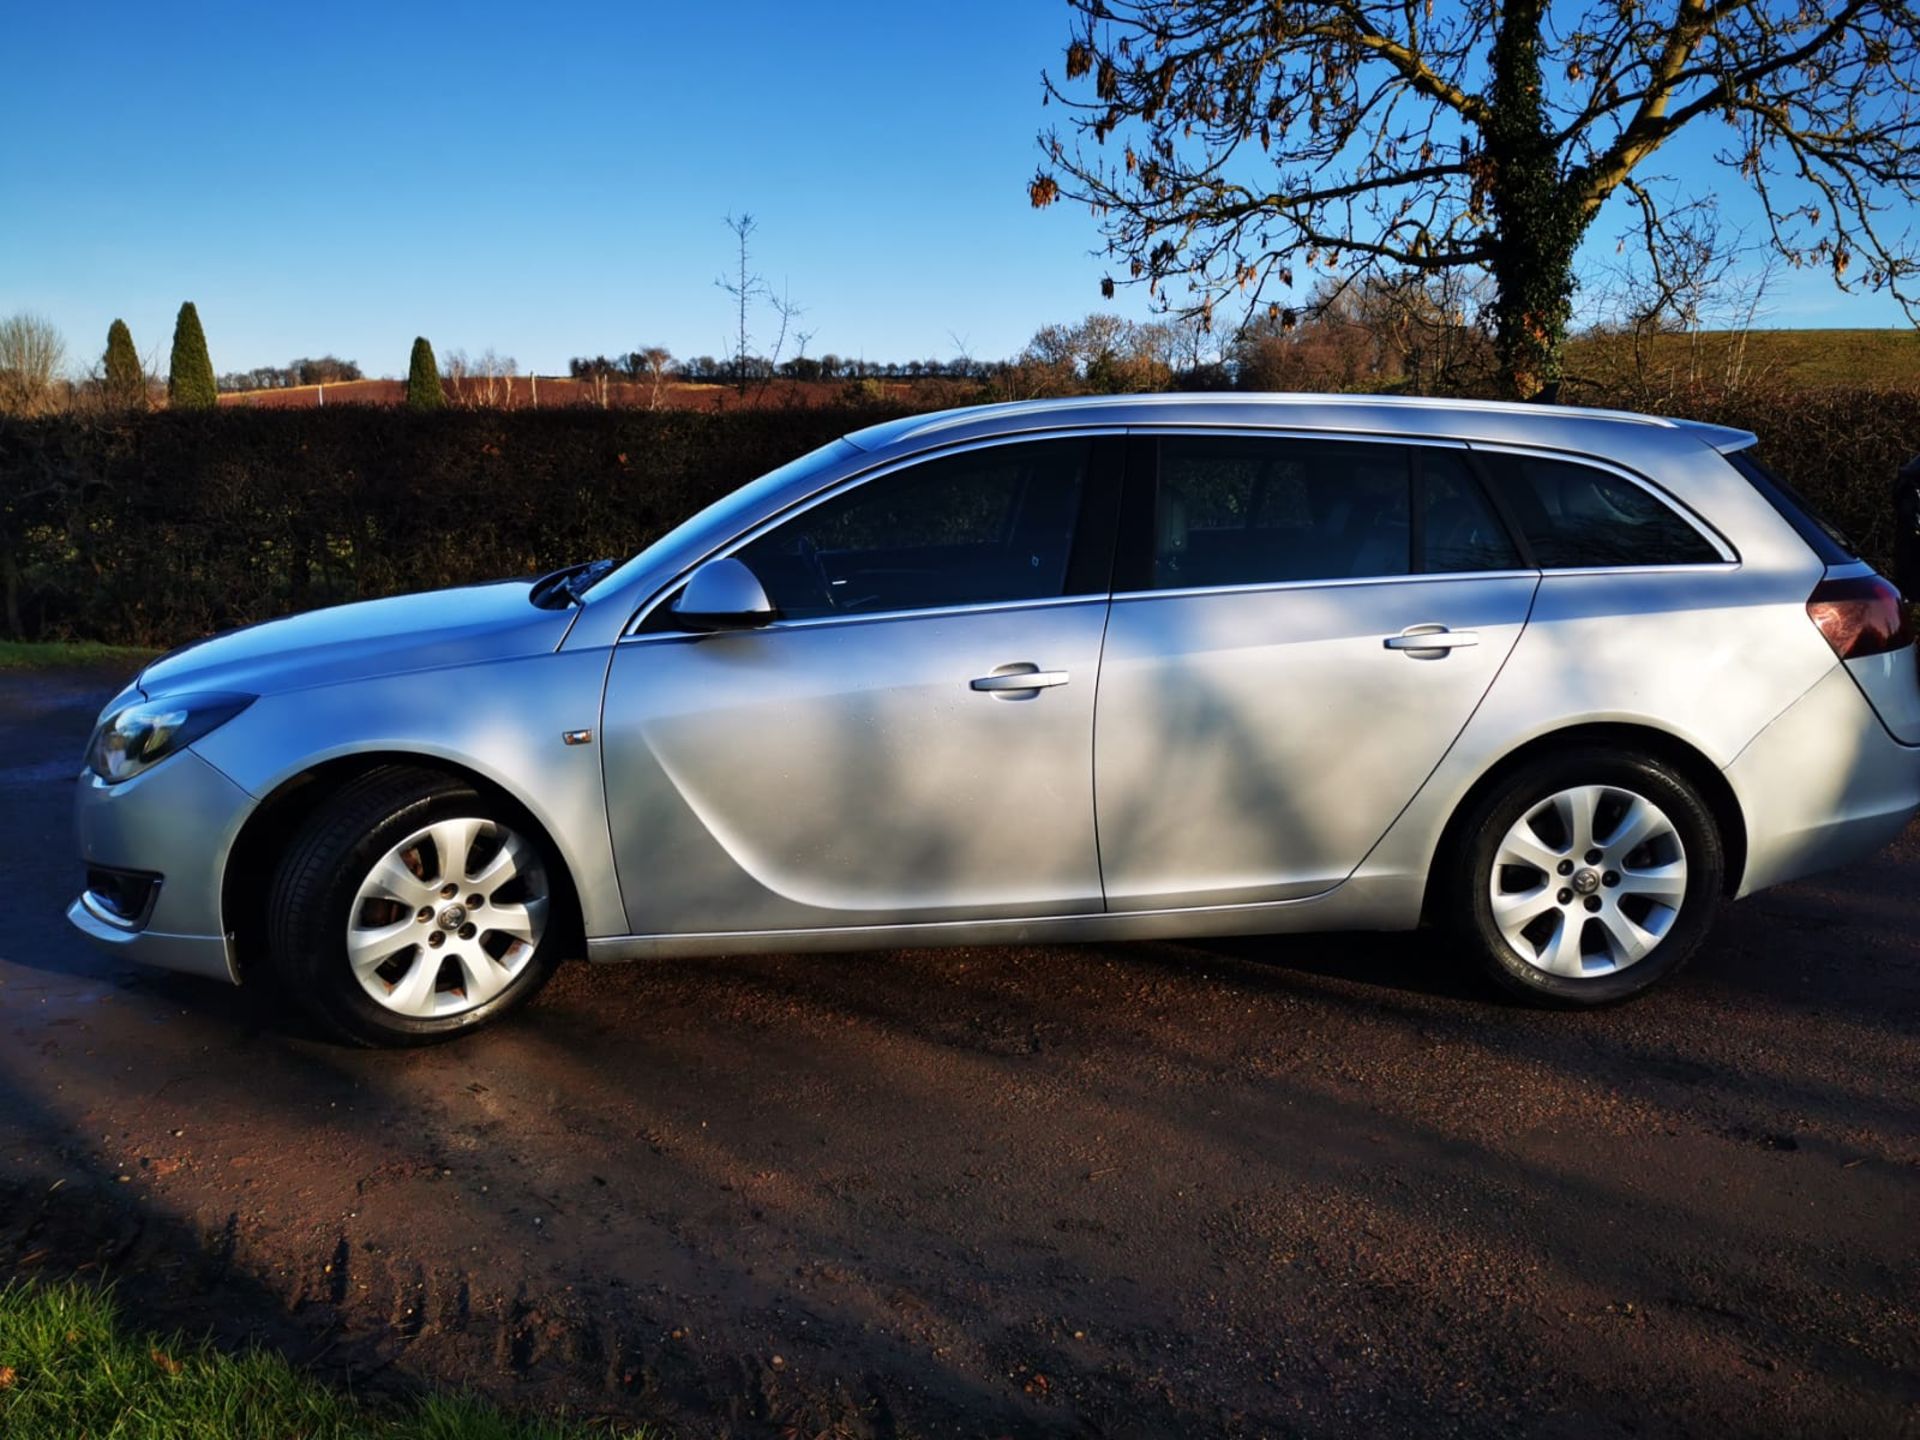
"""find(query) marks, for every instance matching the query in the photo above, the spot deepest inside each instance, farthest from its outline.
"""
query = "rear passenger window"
(1458, 528)
(1235, 510)
(1575, 516)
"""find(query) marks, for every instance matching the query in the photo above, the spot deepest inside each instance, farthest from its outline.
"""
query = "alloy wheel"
(448, 918)
(1588, 881)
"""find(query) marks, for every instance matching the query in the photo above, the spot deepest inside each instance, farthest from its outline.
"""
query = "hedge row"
(153, 529)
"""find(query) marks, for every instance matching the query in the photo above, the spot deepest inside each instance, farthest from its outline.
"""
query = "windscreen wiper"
(566, 585)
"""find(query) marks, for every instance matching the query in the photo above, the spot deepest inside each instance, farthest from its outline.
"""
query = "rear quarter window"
(1574, 516)
(1823, 537)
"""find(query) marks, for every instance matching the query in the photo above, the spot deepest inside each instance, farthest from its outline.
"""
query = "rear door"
(1300, 629)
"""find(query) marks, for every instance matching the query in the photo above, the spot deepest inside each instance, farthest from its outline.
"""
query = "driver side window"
(994, 525)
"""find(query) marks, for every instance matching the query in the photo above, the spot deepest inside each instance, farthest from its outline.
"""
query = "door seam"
(1427, 779)
(1093, 752)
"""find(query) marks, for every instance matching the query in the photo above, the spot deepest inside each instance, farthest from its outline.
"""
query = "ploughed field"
(1315, 1185)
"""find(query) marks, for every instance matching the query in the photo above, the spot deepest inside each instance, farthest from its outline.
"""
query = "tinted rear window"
(1459, 530)
(1262, 510)
(1576, 517)
(1823, 537)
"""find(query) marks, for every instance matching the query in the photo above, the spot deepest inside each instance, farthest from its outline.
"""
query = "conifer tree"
(122, 378)
(423, 378)
(190, 383)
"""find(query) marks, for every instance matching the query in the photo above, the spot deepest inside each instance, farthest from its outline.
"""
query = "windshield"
(719, 516)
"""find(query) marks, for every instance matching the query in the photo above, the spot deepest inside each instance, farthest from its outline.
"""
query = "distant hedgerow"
(154, 529)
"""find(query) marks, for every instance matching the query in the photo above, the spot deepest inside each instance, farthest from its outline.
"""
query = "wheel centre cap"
(454, 916)
(1586, 882)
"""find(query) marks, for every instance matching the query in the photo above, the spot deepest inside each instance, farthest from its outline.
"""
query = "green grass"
(72, 1365)
(1785, 357)
(50, 654)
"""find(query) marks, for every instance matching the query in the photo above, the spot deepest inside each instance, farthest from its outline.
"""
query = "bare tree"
(788, 313)
(31, 354)
(483, 381)
(1195, 347)
(745, 288)
(1263, 137)
(497, 373)
(1408, 332)
(1746, 303)
(655, 369)
(1659, 309)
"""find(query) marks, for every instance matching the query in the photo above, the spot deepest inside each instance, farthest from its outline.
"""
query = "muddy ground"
(1315, 1186)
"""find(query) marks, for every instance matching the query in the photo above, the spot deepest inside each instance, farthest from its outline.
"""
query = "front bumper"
(179, 820)
(1824, 785)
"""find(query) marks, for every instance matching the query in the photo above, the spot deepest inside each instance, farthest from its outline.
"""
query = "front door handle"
(1431, 639)
(1023, 676)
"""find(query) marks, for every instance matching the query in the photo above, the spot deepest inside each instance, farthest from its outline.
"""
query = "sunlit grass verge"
(72, 1365)
(52, 654)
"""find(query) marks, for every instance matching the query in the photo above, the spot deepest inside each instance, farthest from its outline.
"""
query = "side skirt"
(1362, 903)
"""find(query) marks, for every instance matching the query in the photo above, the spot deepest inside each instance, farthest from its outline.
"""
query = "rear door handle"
(1023, 676)
(1431, 638)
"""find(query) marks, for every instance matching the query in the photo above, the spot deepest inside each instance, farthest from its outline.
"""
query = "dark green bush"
(154, 529)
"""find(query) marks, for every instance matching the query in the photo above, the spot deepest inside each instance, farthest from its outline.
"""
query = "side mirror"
(724, 595)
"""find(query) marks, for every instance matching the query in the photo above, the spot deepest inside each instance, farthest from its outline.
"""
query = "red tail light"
(1860, 615)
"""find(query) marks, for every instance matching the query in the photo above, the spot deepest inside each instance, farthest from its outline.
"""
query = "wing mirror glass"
(724, 595)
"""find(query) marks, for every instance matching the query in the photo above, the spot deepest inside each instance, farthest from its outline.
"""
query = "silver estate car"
(1556, 681)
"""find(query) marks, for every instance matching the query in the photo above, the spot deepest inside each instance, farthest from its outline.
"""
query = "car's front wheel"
(411, 908)
(1586, 876)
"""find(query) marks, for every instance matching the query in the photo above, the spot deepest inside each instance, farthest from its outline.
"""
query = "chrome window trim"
(1341, 582)
(1729, 557)
(1721, 545)
(1714, 567)
(1690, 567)
(878, 471)
(1729, 560)
(815, 622)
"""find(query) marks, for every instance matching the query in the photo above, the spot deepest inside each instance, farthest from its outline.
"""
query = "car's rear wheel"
(411, 908)
(1586, 876)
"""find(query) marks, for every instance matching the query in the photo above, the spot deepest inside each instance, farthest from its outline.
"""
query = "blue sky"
(550, 180)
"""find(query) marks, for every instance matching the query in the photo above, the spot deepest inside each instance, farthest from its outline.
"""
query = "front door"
(911, 741)
(1292, 649)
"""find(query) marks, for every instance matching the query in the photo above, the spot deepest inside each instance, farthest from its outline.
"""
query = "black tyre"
(411, 908)
(1585, 877)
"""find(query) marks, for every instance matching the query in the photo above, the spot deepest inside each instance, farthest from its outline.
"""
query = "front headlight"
(147, 731)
